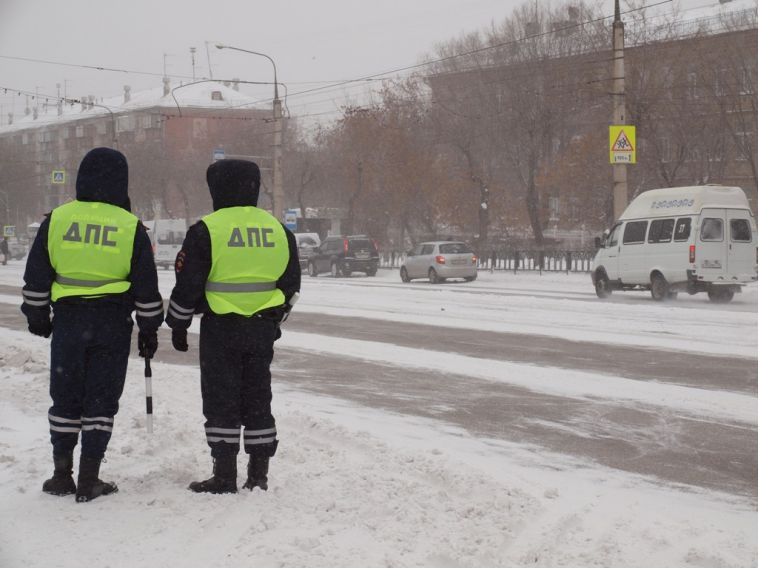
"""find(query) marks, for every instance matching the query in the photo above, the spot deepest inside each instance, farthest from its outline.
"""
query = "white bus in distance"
(166, 236)
(691, 239)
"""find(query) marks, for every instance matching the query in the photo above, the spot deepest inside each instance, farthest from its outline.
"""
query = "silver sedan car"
(438, 261)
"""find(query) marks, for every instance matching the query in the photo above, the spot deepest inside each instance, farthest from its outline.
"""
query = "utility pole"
(278, 205)
(192, 52)
(620, 196)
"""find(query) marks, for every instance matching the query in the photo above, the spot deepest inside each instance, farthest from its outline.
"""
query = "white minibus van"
(166, 236)
(691, 239)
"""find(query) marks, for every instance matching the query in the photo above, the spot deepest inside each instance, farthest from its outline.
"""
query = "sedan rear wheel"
(404, 275)
(433, 276)
(312, 270)
(335, 270)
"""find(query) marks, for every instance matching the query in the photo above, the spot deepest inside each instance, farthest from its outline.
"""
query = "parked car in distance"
(307, 243)
(438, 261)
(680, 239)
(341, 256)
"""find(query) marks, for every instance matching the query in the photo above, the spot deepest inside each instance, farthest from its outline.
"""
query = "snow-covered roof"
(690, 200)
(195, 96)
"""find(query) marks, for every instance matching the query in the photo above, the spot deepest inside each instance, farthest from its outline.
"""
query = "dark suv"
(342, 256)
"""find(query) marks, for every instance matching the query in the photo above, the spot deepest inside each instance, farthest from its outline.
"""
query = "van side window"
(740, 230)
(634, 232)
(661, 231)
(682, 232)
(712, 229)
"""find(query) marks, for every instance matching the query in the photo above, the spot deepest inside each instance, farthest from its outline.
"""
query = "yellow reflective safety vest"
(90, 244)
(249, 253)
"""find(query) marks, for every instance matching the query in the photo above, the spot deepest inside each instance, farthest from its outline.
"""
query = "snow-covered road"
(410, 439)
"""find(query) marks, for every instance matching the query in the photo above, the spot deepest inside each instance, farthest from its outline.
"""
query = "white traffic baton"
(149, 395)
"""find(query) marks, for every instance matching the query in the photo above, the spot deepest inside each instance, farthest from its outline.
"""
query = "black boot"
(257, 473)
(90, 486)
(224, 479)
(62, 481)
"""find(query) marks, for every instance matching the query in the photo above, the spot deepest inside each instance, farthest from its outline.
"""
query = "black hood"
(104, 176)
(233, 183)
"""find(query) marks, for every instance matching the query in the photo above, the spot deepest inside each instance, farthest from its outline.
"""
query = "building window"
(554, 204)
(25, 138)
(692, 85)
(80, 131)
(125, 123)
(200, 128)
(746, 82)
(102, 129)
(664, 149)
(744, 145)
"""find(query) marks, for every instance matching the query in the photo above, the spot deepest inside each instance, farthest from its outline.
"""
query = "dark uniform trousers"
(89, 354)
(235, 356)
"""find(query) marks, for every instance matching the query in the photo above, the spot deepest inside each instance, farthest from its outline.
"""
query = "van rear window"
(661, 231)
(682, 232)
(740, 230)
(634, 232)
(712, 229)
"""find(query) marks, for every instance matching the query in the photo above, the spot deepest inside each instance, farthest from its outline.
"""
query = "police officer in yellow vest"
(239, 267)
(93, 263)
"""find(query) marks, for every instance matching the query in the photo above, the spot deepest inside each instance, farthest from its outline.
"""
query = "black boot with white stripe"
(224, 479)
(90, 486)
(257, 473)
(62, 481)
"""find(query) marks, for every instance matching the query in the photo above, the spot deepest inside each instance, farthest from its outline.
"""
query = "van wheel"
(433, 276)
(719, 295)
(659, 288)
(602, 286)
(335, 270)
(404, 275)
(312, 272)
(371, 271)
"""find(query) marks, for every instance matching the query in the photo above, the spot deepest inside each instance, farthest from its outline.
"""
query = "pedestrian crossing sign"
(623, 144)
(58, 177)
(9, 230)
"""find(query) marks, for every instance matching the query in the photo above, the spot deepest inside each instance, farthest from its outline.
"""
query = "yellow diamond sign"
(623, 144)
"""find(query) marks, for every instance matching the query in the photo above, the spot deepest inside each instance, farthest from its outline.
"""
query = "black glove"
(41, 326)
(179, 339)
(147, 341)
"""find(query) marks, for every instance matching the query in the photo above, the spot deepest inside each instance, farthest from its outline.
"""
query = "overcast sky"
(312, 42)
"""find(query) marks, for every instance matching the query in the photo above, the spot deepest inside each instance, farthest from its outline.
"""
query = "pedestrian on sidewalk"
(5, 250)
(92, 262)
(239, 267)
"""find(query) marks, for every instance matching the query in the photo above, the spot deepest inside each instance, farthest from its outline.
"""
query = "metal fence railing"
(516, 260)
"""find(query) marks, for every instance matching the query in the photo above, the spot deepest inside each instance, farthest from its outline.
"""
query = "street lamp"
(278, 204)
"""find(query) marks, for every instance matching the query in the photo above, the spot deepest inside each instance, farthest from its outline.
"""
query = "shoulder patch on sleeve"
(179, 264)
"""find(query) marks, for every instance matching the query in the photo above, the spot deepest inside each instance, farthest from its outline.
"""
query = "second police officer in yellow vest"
(238, 266)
